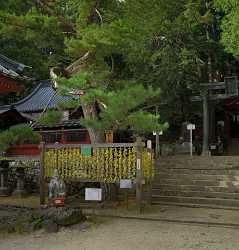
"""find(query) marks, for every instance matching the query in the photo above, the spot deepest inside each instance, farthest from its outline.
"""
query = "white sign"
(159, 132)
(221, 123)
(93, 194)
(138, 164)
(191, 126)
(124, 183)
(149, 144)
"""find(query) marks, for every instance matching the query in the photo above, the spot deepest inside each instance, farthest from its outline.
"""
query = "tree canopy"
(120, 53)
(229, 24)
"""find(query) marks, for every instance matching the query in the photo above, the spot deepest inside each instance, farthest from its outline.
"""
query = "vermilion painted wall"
(33, 149)
(8, 85)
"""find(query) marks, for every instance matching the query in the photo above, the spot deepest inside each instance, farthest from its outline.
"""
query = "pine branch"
(76, 66)
(66, 23)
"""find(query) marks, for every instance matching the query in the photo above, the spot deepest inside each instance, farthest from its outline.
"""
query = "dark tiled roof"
(67, 123)
(27, 117)
(12, 117)
(10, 67)
(43, 95)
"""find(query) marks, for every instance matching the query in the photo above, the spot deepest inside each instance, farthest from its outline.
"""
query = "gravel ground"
(122, 234)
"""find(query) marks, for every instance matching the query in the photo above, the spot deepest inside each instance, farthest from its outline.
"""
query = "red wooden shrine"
(8, 85)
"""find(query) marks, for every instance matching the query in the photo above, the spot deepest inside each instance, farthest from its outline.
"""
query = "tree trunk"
(89, 111)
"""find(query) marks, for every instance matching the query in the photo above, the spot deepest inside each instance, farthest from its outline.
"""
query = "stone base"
(19, 193)
(4, 191)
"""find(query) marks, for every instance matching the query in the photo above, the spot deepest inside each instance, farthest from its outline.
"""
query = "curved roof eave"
(42, 96)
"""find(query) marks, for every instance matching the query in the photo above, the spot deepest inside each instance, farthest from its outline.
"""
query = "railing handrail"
(96, 145)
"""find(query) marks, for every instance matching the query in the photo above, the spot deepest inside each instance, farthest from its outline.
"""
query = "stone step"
(197, 180)
(193, 176)
(226, 189)
(199, 162)
(195, 165)
(220, 195)
(183, 158)
(195, 205)
(186, 181)
(156, 199)
(197, 171)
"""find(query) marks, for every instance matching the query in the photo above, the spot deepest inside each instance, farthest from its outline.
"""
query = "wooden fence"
(105, 163)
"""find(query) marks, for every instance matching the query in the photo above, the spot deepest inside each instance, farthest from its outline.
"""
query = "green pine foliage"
(16, 135)
(124, 108)
(51, 118)
(229, 24)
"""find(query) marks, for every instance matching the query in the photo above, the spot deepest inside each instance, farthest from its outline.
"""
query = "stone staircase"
(212, 181)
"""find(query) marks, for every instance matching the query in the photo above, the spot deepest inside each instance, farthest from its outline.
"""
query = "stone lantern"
(4, 189)
(20, 190)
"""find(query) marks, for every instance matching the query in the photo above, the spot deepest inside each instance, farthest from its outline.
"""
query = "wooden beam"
(214, 85)
(97, 145)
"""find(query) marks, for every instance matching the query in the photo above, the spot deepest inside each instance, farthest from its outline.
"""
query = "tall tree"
(229, 15)
(91, 31)
(118, 52)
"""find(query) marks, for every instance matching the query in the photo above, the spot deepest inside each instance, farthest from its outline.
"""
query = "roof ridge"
(17, 65)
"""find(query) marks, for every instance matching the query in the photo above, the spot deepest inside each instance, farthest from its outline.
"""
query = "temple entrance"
(234, 124)
(227, 125)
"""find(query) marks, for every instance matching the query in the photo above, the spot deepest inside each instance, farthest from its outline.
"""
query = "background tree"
(229, 16)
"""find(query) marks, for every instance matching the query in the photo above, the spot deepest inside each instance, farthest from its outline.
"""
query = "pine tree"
(90, 35)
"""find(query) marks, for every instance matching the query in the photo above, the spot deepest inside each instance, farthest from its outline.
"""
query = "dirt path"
(122, 234)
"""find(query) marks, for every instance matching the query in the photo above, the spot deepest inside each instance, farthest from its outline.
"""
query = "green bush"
(16, 135)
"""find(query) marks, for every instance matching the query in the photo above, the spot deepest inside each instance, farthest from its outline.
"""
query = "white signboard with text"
(125, 183)
(191, 126)
(93, 194)
(159, 133)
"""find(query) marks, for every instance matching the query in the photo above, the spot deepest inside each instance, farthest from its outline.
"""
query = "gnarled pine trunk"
(89, 111)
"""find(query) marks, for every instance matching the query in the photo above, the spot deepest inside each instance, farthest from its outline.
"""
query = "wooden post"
(139, 145)
(42, 175)
(191, 143)
(212, 122)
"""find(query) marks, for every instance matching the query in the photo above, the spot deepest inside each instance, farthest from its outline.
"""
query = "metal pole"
(157, 139)
(191, 142)
(205, 150)
(157, 145)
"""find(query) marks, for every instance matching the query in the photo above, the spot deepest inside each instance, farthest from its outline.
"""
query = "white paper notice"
(125, 183)
(149, 144)
(93, 194)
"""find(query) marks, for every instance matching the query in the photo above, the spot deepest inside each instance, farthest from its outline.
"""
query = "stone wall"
(31, 170)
